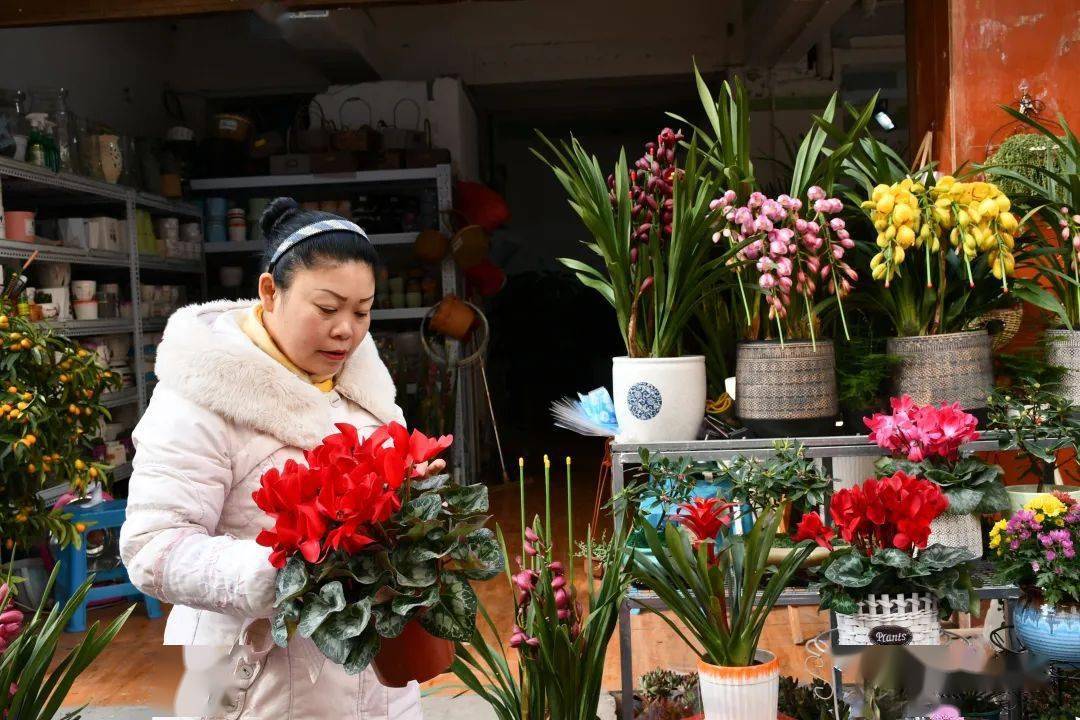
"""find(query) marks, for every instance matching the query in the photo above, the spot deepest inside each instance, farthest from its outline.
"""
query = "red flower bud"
(646, 284)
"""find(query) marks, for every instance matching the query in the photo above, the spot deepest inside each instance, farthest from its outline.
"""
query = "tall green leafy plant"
(654, 273)
(39, 683)
(561, 641)
(722, 590)
(1052, 194)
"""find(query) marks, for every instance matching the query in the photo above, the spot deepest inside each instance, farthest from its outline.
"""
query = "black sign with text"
(890, 635)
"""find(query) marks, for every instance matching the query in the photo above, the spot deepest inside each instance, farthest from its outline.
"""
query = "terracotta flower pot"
(415, 654)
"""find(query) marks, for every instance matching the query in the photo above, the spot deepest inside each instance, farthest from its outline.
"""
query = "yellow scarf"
(253, 326)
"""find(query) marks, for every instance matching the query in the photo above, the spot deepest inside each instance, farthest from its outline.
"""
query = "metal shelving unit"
(41, 188)
(824, 448)
(465, 426)
(120, 398)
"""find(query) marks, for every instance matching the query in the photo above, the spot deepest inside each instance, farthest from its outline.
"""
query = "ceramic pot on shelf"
(659, 399)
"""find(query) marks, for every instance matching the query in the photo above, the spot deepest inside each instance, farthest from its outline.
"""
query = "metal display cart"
(826, 449)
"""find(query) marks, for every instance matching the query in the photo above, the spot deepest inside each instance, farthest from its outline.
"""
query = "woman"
(243, 387)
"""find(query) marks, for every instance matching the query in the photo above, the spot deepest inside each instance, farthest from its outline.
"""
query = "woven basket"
(956, 367)
(795, 381)
(1063, 348)
(1002, 323)
(958, 531)
(917, 613)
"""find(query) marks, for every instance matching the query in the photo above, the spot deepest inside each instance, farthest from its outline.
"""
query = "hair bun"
(277, 212)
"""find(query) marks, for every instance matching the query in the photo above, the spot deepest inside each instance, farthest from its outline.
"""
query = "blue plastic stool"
(109, 514)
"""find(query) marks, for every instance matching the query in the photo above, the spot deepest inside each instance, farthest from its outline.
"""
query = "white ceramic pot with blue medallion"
(1052, 631)
(659, 399)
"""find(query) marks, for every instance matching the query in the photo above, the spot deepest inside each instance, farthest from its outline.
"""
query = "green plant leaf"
(431, 482)
(291, 580)
(406, 604)
(423, 507)
(850, 570)
(479, 557)
(388, 623)
(468, 499)
(362, 651)
(938, 557)
(330, 599)
(454, 616)
(286, 616)
(963, 501)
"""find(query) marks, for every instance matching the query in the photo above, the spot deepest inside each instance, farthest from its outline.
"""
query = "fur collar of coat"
(205, 357)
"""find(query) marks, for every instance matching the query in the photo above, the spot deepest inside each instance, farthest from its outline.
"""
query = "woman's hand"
(435, 467)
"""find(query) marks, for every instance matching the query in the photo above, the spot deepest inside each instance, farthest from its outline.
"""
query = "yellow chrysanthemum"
(1046, 505)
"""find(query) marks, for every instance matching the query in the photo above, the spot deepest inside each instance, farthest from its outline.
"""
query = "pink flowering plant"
(926, 441)
(790, 253)
(1037, 548)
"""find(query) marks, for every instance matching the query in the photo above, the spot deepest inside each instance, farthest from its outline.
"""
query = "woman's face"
(322, 317)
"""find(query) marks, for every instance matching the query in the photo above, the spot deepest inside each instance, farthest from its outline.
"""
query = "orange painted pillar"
(968, 57)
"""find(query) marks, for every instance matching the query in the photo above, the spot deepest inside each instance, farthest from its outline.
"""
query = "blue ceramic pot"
(1049, 631)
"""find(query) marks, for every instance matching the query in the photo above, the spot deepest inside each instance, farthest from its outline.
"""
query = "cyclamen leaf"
(334, 647)
(405, 604)
(454, 616)
(420, 574)
(995, 499)
(389, 624)
(938, 557)
(468, 499)
(369, 568)
(432, 482)
(423, 507)
(963, 501)
(892, 557)
(362, 652)
(291, 580)
(479, 556)
(849, 571)
(351, 621)
(330, 599)
(284, 617)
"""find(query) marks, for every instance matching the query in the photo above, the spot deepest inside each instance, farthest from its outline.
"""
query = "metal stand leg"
(626, 662)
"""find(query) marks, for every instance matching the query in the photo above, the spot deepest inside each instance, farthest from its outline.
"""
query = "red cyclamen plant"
(366, 542)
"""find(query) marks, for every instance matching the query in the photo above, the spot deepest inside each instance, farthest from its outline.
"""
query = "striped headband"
(311, 230)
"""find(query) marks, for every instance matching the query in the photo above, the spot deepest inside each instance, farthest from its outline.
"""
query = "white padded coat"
(222, 414)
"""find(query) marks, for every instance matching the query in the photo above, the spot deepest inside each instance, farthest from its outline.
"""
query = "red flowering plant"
(926, 441)
(721, 585)
(366, 541)
(886, 522)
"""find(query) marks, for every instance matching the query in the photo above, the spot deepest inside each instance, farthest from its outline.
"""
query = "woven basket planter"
(786, 390)
(958, 531)
(956, 367)
(1063, 349)
(917, 614)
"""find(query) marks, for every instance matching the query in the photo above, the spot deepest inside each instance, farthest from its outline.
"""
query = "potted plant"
(1037, 549)
(975, 704)
(810, 702)
(1036, 420)
(791, 268)
(560, 638)
(722, 591)
(863, 371)
(925, 441)
(376, 559)
(1050, 191)
(669, 695)
(651, 226)
(36, 681)
(942, 258)
(889, 586)
(50, 404)
(786, 480)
